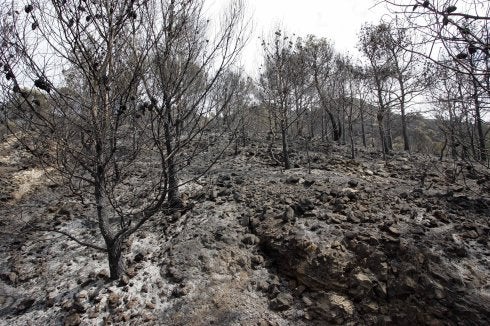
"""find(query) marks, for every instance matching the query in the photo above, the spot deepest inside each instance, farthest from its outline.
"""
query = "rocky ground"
(336, 242)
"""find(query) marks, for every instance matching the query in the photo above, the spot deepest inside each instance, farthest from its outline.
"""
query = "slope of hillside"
(353, 242)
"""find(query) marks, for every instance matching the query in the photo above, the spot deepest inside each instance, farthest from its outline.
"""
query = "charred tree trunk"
(382, 135)
(363, 131)
(441, 156)
(344, 136)
(323, 125)
(114, 254)
(388, 136)
(406, 141)
(380, 117)
(285, 146)
(351, 137)
(173, 185)
(482, 156)
(401, 83)
(471, 135)
(336, 128)
(113, 243)
(452, 136)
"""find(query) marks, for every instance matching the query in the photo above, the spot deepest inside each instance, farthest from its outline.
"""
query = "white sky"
(337, 20)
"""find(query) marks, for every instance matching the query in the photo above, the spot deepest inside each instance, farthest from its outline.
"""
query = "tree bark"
(114, 253)
(113, 243)
(388, 136)
(363, 131)
(285, 146)
(351, 137)
(478, 124)
(380, 117)
(382, 135)
(336, 128)
(173, 186)
(406, 141)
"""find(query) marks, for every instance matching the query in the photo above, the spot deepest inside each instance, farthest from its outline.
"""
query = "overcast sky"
(337, 20)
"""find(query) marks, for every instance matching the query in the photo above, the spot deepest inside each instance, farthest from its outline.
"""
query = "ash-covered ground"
(333, 242)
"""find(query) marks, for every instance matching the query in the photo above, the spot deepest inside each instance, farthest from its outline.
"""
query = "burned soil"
(332, 241)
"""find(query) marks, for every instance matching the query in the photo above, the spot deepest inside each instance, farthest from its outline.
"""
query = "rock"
(307, 301)
(63, 211)
(245, 220)
(380, 290)
(82, 295)
(103, 274)
(150, 305)
(349, 235)
(13, 277)
(324, 197)
(394, 231)
(288, 215)
(263, 322)
(362, 279)
(303, 206)
(225, 192)
(353, 183)
(78, 307)
(50, 298)
(124, 280)
(213, 194)
(308, 183)
(113, 299)
(250, 239)
(72, 320)
(148, 317)
(337, 218)
(334, 307)
(370, 307)
(175, 274)
(299, 290)
(139, 257)
(282, 302)
(263, 285)
(292, 179)
(180, 291)
(352, 218)
(24, 305)
(257, 260)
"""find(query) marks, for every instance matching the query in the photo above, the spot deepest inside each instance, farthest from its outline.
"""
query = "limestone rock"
(282, 302)
(72, 320)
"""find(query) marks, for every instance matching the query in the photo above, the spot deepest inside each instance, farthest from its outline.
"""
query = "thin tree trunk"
(388, 136)
(363, 131)
(344, 136)
(336, 128)
(114, 253)
(113, 245)
(323, 125)
(441, 156)
(382, 135)
(478, 124)
(470, 135)
(285, 146)
(380, 116)
(406, 141)
(173, 185)
(452, 136)
(351, 136)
